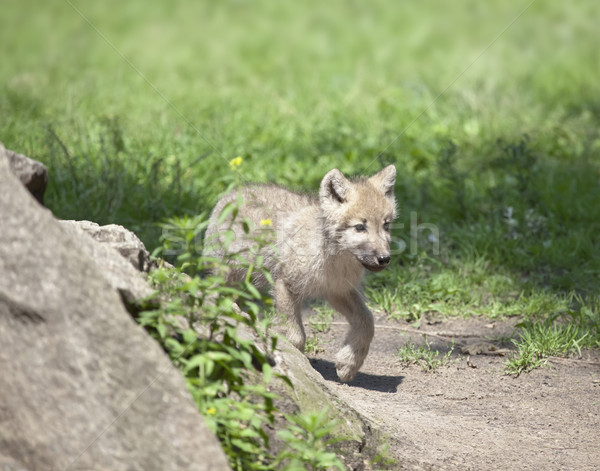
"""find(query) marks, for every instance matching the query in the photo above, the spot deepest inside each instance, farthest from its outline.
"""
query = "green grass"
(558, 336)
(313, 345)
(424, 356)
(320, 321)
(138, 107)
(462, 286)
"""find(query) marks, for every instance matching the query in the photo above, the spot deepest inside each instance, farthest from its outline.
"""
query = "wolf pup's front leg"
(358, 339)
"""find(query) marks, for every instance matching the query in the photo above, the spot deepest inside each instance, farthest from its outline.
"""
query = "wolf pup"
(321, 248)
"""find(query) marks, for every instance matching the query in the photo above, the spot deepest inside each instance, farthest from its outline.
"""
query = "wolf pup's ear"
(385, 181)
(334, 187)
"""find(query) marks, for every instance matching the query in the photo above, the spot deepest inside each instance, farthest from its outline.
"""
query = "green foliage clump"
(307, 439)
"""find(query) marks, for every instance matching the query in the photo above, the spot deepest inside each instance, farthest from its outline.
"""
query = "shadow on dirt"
(371, 382)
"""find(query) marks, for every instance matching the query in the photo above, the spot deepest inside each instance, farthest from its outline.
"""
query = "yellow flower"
(235, 163)
(266, 222)
(211, 411)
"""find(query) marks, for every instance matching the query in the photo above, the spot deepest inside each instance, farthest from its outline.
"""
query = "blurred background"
(490, 111)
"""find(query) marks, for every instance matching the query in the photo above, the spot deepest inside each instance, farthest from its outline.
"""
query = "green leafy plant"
(217, 363)
(382, 459)
(307, 439)
(199, 327)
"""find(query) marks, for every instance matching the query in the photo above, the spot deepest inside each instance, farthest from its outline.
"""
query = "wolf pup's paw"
(346, 372)
(348, 361)
(297, 338)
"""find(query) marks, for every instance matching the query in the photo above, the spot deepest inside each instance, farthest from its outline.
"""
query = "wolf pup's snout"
(383, 260)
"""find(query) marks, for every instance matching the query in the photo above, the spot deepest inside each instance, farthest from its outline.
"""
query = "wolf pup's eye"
(386, 226)
(360, 228)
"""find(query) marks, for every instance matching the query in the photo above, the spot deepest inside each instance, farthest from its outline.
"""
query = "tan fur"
(318, 249)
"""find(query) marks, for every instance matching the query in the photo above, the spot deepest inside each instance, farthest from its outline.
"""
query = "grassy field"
(489, 110)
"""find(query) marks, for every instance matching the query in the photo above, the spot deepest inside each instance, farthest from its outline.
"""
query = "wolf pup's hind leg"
(290, 306)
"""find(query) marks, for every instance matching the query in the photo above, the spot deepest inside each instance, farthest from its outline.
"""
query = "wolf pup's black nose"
(383, 260)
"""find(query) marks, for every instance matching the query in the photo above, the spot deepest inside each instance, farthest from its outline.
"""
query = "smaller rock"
(119, 238)
(483, 348)
(115, 269)
(33, 174)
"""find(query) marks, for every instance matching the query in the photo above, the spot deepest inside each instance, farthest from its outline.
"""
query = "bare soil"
(469, 414)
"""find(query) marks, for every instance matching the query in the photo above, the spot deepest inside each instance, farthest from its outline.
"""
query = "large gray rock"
(82, 386)
(33, 174)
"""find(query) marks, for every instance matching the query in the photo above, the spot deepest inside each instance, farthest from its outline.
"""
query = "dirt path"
(469, 415)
